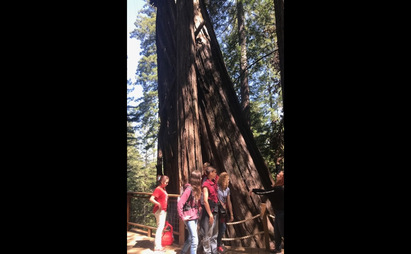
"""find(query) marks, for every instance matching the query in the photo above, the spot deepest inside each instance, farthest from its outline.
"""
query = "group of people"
(205, 207)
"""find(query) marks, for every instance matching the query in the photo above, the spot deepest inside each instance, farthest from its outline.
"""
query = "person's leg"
(192, 228)
(200, 231)
(161, 221)
(206, 233)
(277, 236)
(280, 223)
(221, 230)
(278, 229)
(214, 234)
(157, 215)
(187, 243)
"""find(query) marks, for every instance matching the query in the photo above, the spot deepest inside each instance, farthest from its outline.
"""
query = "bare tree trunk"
(245, 90)
(279, 24)
(167, 162)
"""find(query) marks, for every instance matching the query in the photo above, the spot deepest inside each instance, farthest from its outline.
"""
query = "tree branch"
(256, 61)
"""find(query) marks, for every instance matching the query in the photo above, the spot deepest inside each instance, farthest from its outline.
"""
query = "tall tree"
(245, 90)
(199, 109)
(167, 93)
(145, 114)
(139, 178)
(279, 20)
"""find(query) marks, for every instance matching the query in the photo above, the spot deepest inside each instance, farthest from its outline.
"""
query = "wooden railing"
(264, 217)
(181, 227)
(180, 232)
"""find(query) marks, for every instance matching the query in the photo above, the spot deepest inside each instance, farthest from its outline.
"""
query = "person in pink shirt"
(188, 208)
(159, 198)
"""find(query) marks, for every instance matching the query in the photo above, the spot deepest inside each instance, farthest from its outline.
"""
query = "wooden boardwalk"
(139, 243)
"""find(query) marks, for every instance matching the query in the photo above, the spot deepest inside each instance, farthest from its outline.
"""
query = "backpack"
(187, 205)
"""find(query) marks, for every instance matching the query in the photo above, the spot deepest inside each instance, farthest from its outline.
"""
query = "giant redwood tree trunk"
(200, 114)
(167, 92)
(189, 146)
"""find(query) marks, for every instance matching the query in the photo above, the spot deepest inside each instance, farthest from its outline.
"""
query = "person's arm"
(230, 208)
(181, 202)
(262, 192)
(155, 202)
(207, 205)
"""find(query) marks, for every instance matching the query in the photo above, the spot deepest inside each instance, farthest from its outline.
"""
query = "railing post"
(128, 209)
(181, 231)
(265, 220)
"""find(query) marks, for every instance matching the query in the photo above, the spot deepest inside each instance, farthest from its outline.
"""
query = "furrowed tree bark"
(208, 123)
(189, 148)
(232, 145)
(167, 162)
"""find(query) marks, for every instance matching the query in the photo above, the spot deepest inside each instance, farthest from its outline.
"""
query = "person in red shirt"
(204, 176)
(208, 221)
(159, 198)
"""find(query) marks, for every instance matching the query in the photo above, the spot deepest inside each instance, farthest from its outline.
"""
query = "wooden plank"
(148, 194)
(128, 210)
(265, 226)
(181, 228)
(142, 226)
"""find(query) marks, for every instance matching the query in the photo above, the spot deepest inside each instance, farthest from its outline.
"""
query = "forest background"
(259, 70)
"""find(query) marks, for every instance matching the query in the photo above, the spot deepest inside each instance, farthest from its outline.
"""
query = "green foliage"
(145, 114)
(263, 70)
(141, 177)
(142, 212)
(143, 120)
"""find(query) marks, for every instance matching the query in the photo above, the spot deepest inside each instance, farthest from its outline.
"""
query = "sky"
(133, 45)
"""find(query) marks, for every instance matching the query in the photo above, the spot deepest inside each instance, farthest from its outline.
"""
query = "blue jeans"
(192, 240)
(221, 230)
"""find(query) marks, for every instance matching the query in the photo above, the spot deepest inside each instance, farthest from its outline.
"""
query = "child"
(159, 198)
(188, 209)
(209, 217)
(226, 209)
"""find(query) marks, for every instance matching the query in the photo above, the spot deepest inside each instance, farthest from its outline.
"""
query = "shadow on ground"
(145, 244)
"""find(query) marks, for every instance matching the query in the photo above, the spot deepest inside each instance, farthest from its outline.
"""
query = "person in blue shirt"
(226, 208)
